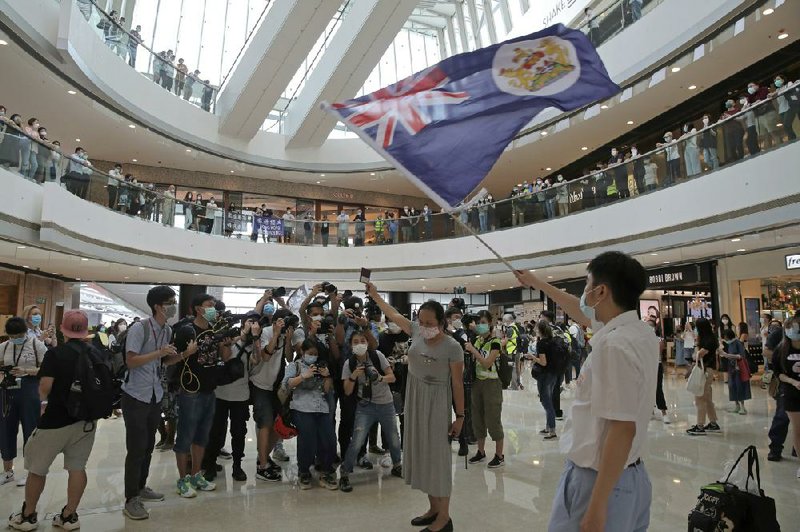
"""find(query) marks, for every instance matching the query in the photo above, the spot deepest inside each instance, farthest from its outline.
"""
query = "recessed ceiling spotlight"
(21, 247)
(372, 173)
(584, 148)
(692, 87)
(676, 69)
(666, 262)
(318, 182)
(630, 122)
(126, 277)
(77, 278)
(132, 126)
(141, 267)
(232, 171)
(531, 270)
(196, 274)
(71, 92)
(26, 266)
(549, 276)
(84, 260)
(654, 254)
(768, 11)
(188, 150)
(740, 250)
(548, 169)
(783, 35)
(604, 106)
(135, 160)
(544, 133)
(477, 276)
(322, 175)
(77, 140)
(736, 239)
(3, 43)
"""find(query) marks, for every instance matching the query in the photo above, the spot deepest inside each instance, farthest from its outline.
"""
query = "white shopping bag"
(697, 379)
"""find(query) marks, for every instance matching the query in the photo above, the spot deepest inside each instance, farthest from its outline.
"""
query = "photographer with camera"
(487, 391)
(394, 341)
(367, 375)
(309, 381)
(196, 400)
(266, 375)
(32, 315)
(350, 321)
(463, 335)
(233, 400)
(265, 306)
(19, 392)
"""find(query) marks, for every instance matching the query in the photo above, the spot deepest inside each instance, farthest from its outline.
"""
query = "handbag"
(744, 370)
(724, 506)
(696, 384)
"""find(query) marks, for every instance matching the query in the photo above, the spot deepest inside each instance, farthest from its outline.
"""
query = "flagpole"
(471, 231)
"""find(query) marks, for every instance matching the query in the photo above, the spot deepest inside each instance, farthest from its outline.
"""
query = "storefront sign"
(793, 262)
(679, 276)
(342, 195)
(665, 278)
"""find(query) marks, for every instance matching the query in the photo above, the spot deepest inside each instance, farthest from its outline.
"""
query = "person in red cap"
(58, 432)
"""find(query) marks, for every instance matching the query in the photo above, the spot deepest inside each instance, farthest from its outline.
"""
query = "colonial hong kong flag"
(446, 126)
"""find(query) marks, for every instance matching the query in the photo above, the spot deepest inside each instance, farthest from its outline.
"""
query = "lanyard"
(21, 349)
(160, 335)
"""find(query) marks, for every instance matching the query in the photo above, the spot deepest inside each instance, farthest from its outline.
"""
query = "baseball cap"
(75, 324)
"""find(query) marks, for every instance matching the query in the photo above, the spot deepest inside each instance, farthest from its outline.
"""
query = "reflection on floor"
(517, 497)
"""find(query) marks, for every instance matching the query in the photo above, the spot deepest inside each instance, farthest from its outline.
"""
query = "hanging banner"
(268, 224)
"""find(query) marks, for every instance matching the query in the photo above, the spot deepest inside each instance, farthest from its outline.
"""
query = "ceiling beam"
(366, 32)
(276, 51)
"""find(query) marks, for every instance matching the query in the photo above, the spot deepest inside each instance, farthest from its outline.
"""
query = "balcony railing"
(757, 128)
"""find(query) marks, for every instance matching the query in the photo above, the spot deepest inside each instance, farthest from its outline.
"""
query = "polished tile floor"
(517, 497)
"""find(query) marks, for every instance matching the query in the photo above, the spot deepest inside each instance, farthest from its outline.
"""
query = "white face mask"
(634, 151)
(705, 121)
(316, 318)
(170, 311)
(360, 349)
(428, 333)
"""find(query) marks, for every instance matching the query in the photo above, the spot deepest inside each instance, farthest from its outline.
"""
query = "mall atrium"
(215, 149)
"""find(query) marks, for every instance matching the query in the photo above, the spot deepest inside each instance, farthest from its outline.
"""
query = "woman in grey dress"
(435, 383)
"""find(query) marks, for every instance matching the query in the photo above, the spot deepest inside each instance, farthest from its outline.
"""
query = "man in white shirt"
(605, 485)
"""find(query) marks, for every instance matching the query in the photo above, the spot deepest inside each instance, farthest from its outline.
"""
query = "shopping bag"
(697, 380)
(744, 370)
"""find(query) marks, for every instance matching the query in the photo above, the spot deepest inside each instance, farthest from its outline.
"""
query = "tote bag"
(697, 380)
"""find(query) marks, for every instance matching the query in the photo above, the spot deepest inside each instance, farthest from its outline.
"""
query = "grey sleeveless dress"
(427, 458)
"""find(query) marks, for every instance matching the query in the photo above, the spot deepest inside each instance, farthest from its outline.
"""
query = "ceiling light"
(134, 160)
(779, 125)
(3, 43)
(26, 266)
(477, 276)
(549, 276)
(584, 148)
(77, 278)
(666, 262)
(188, 150)
(318, 182)
(84, 260)
(548, 168)
(494, 285)
(676, 69)
(422, 279)
(127, 277)
(783, 35)
(740, 250)
(654, 254)
(372, 173)
(196, 274)
(604, 106)
(532, 270)
(768, 11)
(544, 133)
(676, 480)
(141, 267)
(21, 247)
(77, 140)
(72, 92)
(132, 126)
(630, 122)
(232, 171)
(322, 175)
(736, 239)
(692, 87)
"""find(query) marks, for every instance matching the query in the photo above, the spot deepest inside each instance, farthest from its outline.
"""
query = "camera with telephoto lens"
(327, 325)
(371, 376)
(290, 321)
(227, 324)
(9, 382)
(329, 288)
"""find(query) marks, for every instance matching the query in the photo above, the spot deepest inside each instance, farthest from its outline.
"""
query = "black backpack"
(91, 395)
(561, 351)
(523, 341)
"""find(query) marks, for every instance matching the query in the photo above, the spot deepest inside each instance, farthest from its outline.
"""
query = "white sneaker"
(22, 479)
(666, 419)
(6, 477)
(656, 414)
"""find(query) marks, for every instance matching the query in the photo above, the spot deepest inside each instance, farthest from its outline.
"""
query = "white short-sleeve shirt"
(617, 383)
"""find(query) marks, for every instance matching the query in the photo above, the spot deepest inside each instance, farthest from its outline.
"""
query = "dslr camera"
(279, 292)
(290, 321)
(327, 325)
(329, 288)
(9, 381)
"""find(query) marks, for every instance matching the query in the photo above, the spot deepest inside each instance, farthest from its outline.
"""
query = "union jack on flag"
(445, 127)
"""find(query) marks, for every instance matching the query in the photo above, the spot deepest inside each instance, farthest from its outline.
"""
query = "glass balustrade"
(163, 69)
(741, 134)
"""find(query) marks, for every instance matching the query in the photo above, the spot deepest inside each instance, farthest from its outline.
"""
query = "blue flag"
(446, 126)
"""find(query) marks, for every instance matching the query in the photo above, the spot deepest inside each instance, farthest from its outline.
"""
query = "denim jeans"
(23, 407)
(315, 438)
(367, 414)
(779, 428)
(483, 218)
(195, 416)
(710, 156)
(545, 384)
(24, 155)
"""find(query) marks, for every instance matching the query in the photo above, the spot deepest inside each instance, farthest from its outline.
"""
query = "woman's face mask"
(310, 358)
(360, 349)
(36, 320)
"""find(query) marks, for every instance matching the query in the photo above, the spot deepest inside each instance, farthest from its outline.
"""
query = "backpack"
(561, 350)
(523, 342)
(91, 395)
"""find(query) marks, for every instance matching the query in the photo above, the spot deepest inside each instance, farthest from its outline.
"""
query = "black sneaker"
(497, 461)
(225, 455)
(550, 436)
(238, 474)
(712, 427)
(544, 432)
(479, 457)
(272, 464)
(210, 474)
(463, 449)
(374, 449)
(344, 484)
(329, 482)
(397, 471)
(20, 521)
(774, 456)
(364, 463)
(269, 475)
(696, 430)
(305, 481)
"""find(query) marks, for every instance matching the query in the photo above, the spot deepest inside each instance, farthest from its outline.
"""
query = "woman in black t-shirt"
(786, 364)
(546, 380)
(707, 346)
